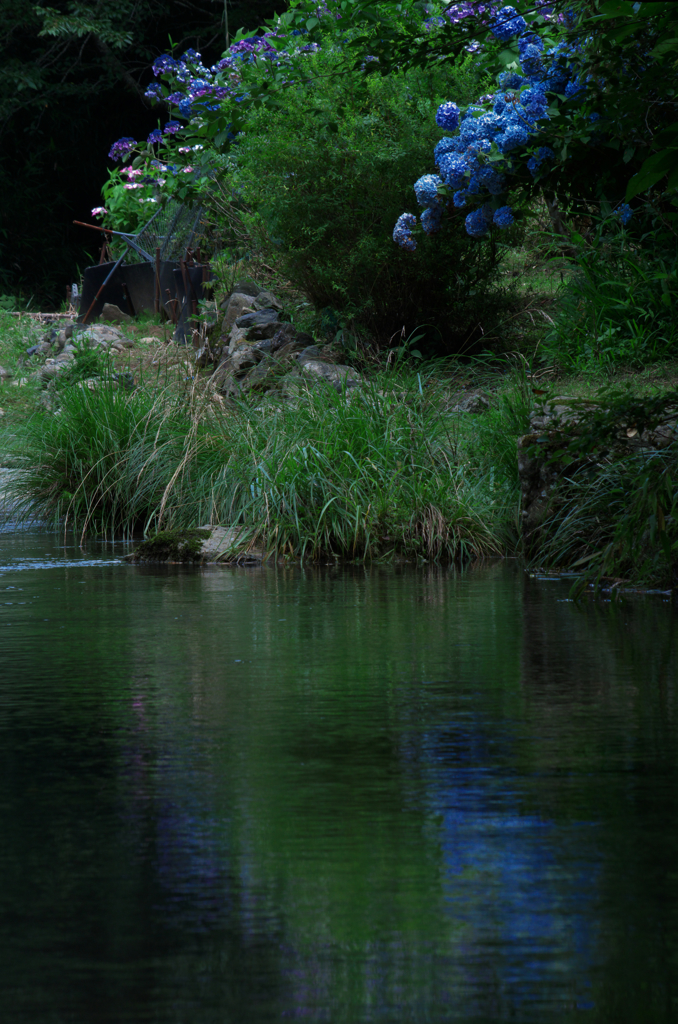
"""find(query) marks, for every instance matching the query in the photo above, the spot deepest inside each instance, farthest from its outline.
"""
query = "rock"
(150, 340)
(21, 383)
(237, 337)
(262, 324)
(337, 375)
(238, 304)
(99, 334)
(244, 357)
(50, 370)
(64, 357)
(473, 404)
(267, 300)
(247, 287)
(5, 374)
(45, 349)
(310, 352)
(561, 413)
(208, 544)
(113, 314)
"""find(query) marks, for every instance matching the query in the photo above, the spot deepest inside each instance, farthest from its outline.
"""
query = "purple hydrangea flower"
(154, 137)
(447, 116)
(120, 148)
(172, 127)
(402, 232)
(154, 91)
(164, 65)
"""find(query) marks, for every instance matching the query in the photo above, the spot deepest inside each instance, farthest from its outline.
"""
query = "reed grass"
(380, 470)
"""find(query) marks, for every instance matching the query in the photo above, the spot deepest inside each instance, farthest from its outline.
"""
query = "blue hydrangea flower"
(172, 127)
(492, 180)
(426, 190)
(477, 224)
(527, 40)
(445, 146)
(510, 80)
(531, 60)
(154, 91)
(431, 219)
(573, 88)
(185, 108)
(402, 232)
(155, 136)
(536, 160)
(503, 217)
(459, 198)
(507, 24)
(164, 65)
(515, 135)
(624, 212)
(121, 147)
(453, 169)
(447, 116)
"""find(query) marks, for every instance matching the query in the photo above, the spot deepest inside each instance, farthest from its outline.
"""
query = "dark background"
(63, 101)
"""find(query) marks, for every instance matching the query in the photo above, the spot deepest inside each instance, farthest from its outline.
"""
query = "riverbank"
(436, 464)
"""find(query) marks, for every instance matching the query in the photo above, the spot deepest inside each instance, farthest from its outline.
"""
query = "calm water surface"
(349, 796)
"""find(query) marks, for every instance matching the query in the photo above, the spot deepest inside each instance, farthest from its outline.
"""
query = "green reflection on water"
(342, 795)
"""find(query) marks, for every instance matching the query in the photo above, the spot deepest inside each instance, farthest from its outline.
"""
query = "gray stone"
(267, 300)
(244, 357)
(310, 352)
(472, 403)
(335, 374)
(113, 314)
(247, 287)
(5, 374)
(237, 336)
(262, 324)
(238, 304)
(99, 334)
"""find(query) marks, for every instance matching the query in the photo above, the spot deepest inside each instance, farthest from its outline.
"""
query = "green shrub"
(326, 177)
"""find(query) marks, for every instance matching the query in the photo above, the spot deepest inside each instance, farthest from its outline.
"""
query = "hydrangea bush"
(497, 143)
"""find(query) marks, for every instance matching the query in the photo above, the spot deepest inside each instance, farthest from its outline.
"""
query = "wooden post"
(157, 280)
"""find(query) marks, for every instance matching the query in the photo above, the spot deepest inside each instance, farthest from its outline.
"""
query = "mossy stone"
(172, 546)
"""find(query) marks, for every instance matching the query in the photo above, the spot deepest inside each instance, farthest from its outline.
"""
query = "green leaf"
(652, 171)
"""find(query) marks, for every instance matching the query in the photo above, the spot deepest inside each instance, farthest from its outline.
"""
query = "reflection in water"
(334, 795)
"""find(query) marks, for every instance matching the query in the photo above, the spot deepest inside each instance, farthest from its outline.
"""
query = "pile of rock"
(61, 342)
(253, 349)
(552, 425)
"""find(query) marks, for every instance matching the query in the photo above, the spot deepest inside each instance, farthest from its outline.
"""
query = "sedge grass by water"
(383, 469)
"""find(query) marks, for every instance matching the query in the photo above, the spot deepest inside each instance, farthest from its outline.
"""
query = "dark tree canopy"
(72, 80)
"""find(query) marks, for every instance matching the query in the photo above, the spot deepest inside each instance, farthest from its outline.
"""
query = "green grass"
(382, 470)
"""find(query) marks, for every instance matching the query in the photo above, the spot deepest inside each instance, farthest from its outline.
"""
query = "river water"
(343, 795)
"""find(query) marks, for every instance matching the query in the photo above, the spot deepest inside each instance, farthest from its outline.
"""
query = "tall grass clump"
(378, 470)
